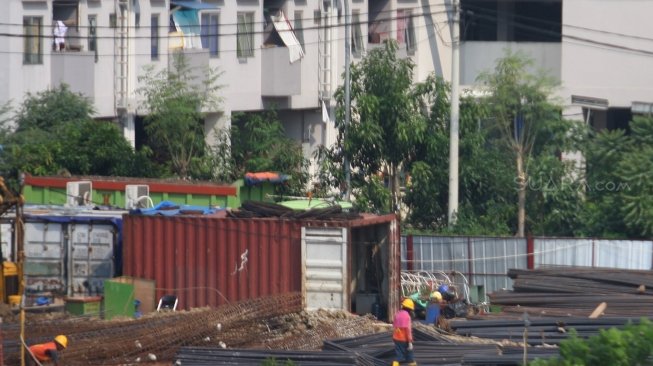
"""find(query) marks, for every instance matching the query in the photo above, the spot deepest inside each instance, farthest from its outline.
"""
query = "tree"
(485, 200)
(619, 188)
(51, 138)
(520, 109)
(257, 142)
(176, 99)
(386, 124)
(49, 109)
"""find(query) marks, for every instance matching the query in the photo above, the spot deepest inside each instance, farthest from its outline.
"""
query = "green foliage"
(485, 185)
(525, 119)
(631, 346)
(373, 196)
(257, 142)
(49, 109)
(385, 122)
(176, 99)
(273, 362)
(55, 134)
(619, 181)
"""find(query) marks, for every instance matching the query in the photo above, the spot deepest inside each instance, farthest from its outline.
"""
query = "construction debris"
(251, 209)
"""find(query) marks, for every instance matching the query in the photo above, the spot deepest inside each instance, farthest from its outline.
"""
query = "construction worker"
(402, 336)
(46, 352)
(433, 310)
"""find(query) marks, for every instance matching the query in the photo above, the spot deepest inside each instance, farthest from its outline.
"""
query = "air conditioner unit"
(79, 193)
(136, 196)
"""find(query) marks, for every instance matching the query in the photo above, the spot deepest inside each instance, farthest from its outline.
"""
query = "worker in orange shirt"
(402, 335)
(48, 352)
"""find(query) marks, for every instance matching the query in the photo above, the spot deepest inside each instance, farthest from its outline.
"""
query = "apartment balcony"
(479, 56)
(75, 68)
(279, 77)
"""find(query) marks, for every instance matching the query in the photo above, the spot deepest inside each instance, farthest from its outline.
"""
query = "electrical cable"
(521, 25)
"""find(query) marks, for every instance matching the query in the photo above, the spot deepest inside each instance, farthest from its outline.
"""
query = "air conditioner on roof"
(79, 193)
(136, 196)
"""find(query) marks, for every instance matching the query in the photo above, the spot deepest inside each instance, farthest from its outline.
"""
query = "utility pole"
(347, 96)
(453, 128)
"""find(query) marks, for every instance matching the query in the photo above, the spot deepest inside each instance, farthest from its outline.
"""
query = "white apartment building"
(290, 53)
(600, 50)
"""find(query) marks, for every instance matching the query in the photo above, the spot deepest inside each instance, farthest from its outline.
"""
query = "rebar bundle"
(158, 336)
(573, 291)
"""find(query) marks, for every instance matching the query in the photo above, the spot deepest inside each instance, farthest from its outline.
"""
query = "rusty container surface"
(212, 261)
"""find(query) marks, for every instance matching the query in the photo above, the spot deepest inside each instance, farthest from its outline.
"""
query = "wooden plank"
(599, 310)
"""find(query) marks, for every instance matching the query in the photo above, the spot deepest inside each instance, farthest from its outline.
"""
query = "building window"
(245, 35)
(92, 35)
(154, 37)
(32, 31)
(357, 46)
(299, 28)
(406, 30)
(210, 33)
(113, 21)
(511, 21)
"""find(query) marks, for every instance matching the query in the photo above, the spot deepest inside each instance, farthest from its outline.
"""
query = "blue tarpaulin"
(167, 208)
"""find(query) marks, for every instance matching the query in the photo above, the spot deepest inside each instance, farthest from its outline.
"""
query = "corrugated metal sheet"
(211, 261)
(44, 268)
(483, 261)
(91, 253)
(324, 258)
(492, 257)
(64, 256)
(625, 254)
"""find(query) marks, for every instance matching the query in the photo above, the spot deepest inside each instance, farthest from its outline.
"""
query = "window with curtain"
(210, 33)
(92, 35)
(357, 45)
(33, 47)
(245, 35)
(406, 30)
(154, 37)
(299, 28)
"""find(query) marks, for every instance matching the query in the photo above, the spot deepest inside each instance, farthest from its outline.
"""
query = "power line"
(583, 40)
(263, 22)
(169, 37)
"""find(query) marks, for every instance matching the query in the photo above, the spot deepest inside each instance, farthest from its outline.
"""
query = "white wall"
(595, 70)
(17, 78)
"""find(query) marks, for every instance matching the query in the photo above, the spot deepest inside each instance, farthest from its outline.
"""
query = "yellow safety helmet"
(436, 295)
(62, 340)
(408, 304)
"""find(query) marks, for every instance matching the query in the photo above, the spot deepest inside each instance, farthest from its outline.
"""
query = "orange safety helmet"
(408, 304)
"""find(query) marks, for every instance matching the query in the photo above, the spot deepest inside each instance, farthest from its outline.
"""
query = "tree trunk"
(521, 195)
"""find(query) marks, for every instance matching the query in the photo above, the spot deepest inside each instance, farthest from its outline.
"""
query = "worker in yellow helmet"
(433, 310)
(402, 335)
(48, 352)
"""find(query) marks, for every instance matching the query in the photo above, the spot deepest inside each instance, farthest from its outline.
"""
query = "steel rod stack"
(158, 336)
(573, 291)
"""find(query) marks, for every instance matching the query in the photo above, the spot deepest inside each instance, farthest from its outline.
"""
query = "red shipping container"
(208, 261)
